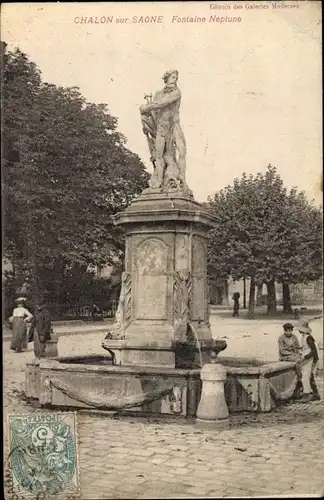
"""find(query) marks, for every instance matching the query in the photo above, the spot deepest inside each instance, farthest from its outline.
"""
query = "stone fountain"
(161, 337)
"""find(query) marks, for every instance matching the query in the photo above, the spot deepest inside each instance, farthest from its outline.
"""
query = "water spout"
(194, 333)
(113, 355)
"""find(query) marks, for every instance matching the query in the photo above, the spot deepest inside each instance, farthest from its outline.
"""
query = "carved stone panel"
(199, 264)
(151, 280)
(181, 252)
(198, 299)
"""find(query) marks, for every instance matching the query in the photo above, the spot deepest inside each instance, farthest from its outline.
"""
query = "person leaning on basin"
(290, 350)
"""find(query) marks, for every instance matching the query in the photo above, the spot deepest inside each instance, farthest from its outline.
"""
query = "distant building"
(310, 293)
(221, 292)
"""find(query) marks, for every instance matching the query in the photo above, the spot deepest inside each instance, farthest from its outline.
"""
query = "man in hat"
(289, 350)
(310, 355)
(40, 330)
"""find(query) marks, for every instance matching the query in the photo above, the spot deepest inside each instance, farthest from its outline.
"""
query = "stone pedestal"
(212, 410)
(164, 286)
(51, 347)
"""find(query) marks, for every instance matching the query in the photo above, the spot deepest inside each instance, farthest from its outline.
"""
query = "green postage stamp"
(43, 455)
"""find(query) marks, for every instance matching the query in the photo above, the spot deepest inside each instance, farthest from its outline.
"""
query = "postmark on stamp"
(43, 455)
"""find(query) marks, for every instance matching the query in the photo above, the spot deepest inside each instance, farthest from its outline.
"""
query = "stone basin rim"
(207, 345)
(65, 363)
(59, 365)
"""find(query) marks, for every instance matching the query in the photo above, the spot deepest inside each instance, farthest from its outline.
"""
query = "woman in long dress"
(18, 320)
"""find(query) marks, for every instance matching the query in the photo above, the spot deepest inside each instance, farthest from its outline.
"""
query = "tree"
(302, 252)
(66, 171)
(259, 225)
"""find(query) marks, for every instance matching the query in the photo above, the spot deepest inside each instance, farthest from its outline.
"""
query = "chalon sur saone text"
(156, 19)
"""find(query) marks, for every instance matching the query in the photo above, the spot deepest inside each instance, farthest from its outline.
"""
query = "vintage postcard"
(162, 255)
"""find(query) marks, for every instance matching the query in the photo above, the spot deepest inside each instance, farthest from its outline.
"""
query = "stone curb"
(66, 333)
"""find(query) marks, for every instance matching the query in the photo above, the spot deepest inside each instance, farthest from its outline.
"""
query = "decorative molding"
(151, 257)
(283, 395)
(46, 393)
(111, 401)
(251, 388)
(182, 298)
(124, 310)
(127, 284)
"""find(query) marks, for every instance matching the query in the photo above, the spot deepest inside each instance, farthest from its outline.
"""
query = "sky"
(251, 89)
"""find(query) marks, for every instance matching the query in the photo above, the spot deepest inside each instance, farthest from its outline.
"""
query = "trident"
(148, 98)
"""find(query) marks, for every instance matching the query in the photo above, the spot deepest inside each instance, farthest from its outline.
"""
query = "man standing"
(310, 354)
(160, 120)
(236, 298)
(40, 330)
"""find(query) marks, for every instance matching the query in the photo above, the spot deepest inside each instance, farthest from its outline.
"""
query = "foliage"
(83, 287)
(66, 171)
(77, 288)
(302, 251)
(264, 232)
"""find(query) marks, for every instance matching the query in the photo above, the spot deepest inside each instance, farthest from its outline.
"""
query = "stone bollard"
(51, 347)
(212, 410)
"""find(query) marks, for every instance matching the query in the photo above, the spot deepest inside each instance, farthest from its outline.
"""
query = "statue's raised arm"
(167, 145)
(161, 101)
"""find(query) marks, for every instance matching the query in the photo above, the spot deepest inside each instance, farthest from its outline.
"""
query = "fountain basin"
(256, 385)
(93, 382)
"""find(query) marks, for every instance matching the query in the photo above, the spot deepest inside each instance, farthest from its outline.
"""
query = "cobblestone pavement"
(274, 454)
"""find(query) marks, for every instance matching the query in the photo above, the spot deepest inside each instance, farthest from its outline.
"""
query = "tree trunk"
(219, 295)
(286, 300)
(272, 301)
(251, 299)
(244, 293)
(226, 293)
(259, 295)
